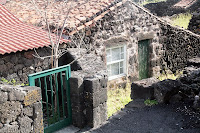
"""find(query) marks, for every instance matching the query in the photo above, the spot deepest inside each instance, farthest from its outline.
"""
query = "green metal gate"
(55, 88)
(143, 53)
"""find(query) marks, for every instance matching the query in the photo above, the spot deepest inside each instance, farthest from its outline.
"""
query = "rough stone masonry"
(88, 91)
(20, 109)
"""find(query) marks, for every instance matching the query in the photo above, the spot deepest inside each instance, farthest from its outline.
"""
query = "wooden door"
(143, 55)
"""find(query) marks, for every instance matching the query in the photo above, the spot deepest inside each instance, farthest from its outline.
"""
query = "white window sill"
(116, 76)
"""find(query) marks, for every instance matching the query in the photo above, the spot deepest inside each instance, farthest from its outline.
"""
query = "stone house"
(123, 35)
(132, 43)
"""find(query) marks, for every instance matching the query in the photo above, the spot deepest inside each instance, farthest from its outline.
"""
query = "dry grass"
(181, 20)
(152, 1)
(117, 99)
(170, 76)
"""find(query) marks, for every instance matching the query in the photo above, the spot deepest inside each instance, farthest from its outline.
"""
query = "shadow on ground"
(162, 118)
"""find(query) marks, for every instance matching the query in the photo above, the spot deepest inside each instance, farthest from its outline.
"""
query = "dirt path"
(156, 119)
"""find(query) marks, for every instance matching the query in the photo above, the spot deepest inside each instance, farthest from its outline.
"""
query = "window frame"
(117, 61)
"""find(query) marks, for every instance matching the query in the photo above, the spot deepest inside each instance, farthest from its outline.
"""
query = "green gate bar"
(63, 107)
(52, 87)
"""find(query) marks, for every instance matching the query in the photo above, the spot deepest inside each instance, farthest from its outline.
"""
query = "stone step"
(69, 129)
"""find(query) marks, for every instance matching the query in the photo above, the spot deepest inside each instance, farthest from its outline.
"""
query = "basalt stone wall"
(169, 91)
(126, 25)
(88, 90)
(194, 24)
(20, 109)
(88, 99)
(179, 46)
(165, 8)
(20, 64)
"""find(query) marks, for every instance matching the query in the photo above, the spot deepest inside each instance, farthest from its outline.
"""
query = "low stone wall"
(178, 45)
(169, 91)
(20, 109)
(18, 65)
(143, 89)
(166, 8)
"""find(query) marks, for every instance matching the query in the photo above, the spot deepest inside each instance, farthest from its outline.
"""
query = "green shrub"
(12, 82)
(149, 102)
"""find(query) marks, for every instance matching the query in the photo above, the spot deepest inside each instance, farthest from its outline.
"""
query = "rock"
(9, 111)
(194, 61)
(188, 70)
(3, 69)
(165, 89)
(1, 125)
(138, 103)
(28, 111)
(94, 115)
(25, 124)
(12, 76)
(3, 97)
(143, 89)
(14, 59)
(18, 67)
(9, 129)
(175, 98)
(6, 88)
(1, 62)
(14, 123)
(16, 95)
(38, 118)
(96, 98)
(91, 84)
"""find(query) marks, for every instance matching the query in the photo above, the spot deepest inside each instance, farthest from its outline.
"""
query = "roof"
(17, 36)
(2, 1)
(185, 3)
(81, 11)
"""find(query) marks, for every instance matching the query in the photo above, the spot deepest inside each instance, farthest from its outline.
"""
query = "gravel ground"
(162, 118)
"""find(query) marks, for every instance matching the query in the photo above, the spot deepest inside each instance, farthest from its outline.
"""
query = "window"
(116, 61)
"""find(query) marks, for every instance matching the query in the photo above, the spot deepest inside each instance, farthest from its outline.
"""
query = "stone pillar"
(96, 100)
(88, 99)
(77, 100)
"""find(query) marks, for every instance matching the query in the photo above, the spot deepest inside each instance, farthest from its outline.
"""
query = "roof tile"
(81, 10)
(17, 36)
